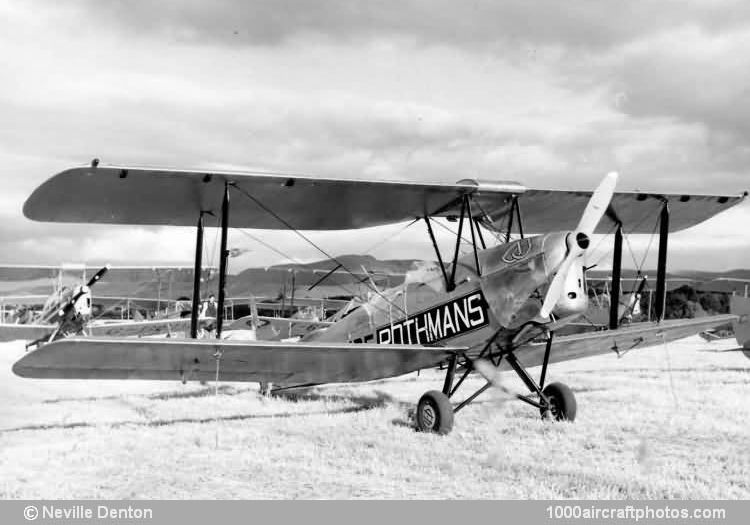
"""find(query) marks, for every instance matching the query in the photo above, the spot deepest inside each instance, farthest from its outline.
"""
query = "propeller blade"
(557, 286)
(597, 205)
(579, 241)
(98, 275)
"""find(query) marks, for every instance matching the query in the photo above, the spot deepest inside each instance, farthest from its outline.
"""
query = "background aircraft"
(72, 309)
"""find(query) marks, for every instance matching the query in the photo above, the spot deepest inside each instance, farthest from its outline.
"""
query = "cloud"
(552, 94)
(475, 23)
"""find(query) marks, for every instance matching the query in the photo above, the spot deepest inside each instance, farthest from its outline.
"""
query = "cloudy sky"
(548, 93)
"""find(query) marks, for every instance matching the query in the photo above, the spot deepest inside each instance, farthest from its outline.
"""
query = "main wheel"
(562, 402)
(434, 413)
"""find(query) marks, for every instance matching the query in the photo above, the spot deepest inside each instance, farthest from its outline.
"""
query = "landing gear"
(434, 413)
(555, 401)
(562, 403)
(265, 388)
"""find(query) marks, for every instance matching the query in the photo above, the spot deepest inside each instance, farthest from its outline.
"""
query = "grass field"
(668, 422)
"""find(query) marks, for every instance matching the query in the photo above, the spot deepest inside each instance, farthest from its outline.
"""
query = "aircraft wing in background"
(26, 332)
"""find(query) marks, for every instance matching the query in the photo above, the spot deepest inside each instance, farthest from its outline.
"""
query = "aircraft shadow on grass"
(361, 403)
(225, 390)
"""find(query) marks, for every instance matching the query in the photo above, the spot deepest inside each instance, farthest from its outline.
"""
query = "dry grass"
(661, 423)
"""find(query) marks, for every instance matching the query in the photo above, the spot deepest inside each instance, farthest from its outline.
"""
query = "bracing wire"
(269, 246)
(638, 225)
(387, 238)
(313, 244)
(455, 234)
(596, 247)
(650, 242)
(287, 256)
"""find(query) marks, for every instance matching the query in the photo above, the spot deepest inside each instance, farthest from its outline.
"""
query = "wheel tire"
(434, 413)
(563, 402)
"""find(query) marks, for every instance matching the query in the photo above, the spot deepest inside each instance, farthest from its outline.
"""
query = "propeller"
(578, 241)
(94, 279)
(98, 275)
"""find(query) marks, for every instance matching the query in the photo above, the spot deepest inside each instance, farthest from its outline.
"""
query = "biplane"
(497, 306)
(70, 307)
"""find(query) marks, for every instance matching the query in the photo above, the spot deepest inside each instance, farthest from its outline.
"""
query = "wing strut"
(466, 213)
(437, 251)
(197, 277)
(472, 224)
(515, 209)
(224, 256)
(452, 284)
(661, 268)
(614, 295)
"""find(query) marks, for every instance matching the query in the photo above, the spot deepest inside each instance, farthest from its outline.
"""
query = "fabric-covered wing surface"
(123, 195)
(195, 359)
(554, 210)
(27, 332)
(140, 328)
(635, 336)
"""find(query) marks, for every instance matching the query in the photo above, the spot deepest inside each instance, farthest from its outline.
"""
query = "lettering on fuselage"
(456, 317)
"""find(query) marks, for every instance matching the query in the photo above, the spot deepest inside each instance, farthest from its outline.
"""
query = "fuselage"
(503, 297)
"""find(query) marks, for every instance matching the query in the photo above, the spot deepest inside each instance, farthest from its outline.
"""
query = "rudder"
(740, 306)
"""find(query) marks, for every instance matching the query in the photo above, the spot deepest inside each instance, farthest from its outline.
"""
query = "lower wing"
(27, 332)
(630, 337)
(305, 363)
(190, 359)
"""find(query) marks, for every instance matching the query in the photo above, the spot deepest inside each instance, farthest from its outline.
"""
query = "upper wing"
(174, 359)
(554, 210)
(124, 195)
(638, 335)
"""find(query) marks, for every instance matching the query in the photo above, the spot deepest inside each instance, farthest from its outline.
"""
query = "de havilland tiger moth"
(495, 308)
(69, 310)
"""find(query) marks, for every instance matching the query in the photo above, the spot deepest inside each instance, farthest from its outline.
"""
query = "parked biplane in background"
(496, 305)
(63, 313)
(71, 308)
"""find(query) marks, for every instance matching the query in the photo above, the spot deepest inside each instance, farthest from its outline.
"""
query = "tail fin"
(740, 306)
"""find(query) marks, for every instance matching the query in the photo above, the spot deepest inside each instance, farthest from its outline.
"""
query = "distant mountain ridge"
(273, 280)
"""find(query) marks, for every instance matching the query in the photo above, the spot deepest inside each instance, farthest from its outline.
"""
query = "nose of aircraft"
(578, 243)
(513, 273)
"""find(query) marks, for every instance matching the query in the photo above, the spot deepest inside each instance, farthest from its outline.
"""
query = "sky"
(547, 93)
